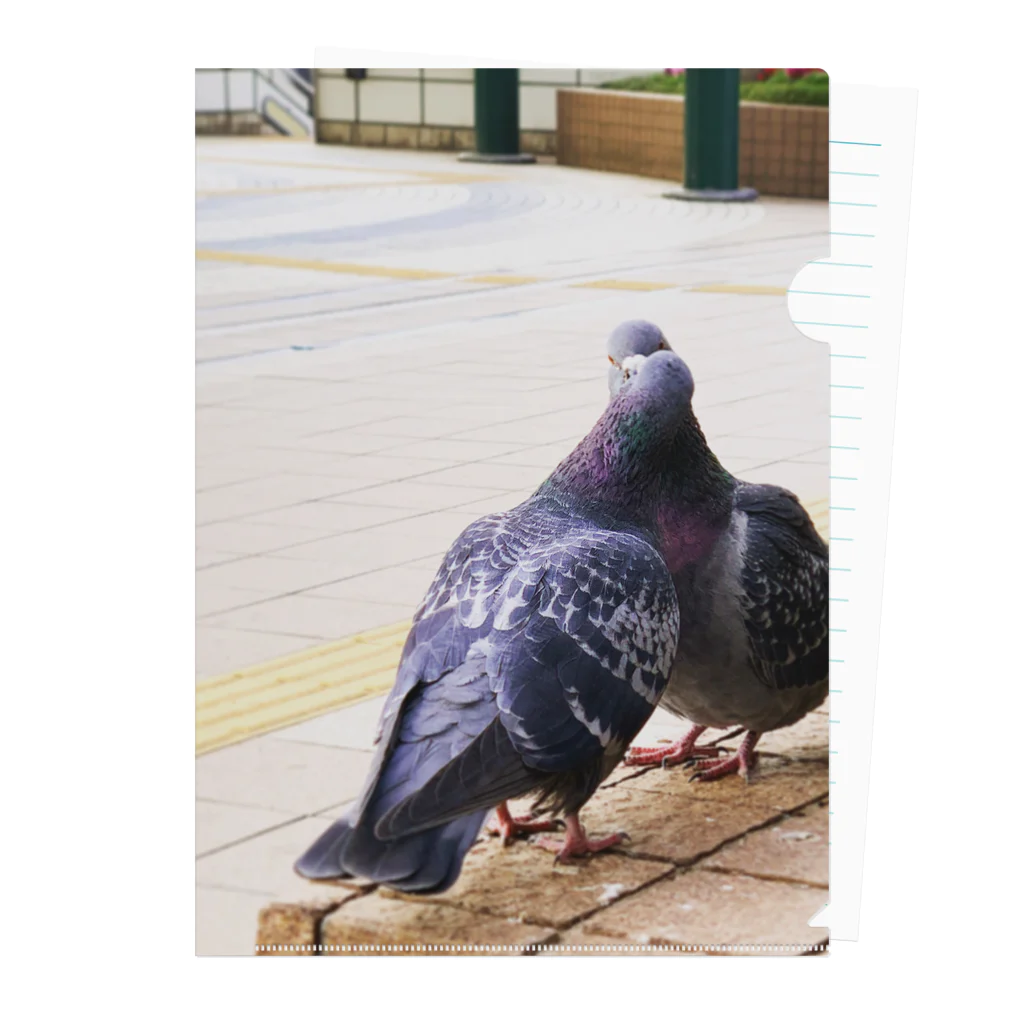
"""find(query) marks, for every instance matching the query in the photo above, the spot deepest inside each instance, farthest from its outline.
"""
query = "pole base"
(713, 195)
(497, 158)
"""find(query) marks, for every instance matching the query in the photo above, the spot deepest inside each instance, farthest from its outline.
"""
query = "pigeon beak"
(616, 376)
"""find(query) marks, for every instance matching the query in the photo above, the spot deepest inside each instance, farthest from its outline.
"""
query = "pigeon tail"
(426, 862)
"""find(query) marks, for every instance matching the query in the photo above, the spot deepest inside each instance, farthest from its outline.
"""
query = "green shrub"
(786, 92)
(650, 83)
(811, 90)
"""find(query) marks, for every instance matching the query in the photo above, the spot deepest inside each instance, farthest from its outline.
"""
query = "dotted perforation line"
(441, 948)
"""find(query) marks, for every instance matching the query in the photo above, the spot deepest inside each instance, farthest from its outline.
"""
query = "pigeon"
(629, 341)
(753, 638)
(538, 653)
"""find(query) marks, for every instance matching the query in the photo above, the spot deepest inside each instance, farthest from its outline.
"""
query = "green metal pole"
(712, 136)
(496, 117)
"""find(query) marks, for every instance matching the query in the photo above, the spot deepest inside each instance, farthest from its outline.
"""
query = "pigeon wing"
(784, 589)
(438, 672)
(581, 641)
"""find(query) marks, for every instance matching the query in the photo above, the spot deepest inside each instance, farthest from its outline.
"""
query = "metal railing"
(281, 97)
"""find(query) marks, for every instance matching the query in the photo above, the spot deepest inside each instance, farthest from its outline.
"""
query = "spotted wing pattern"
(784, 589)
(543, 643)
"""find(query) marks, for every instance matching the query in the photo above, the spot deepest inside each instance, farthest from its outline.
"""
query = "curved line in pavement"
(479, 207)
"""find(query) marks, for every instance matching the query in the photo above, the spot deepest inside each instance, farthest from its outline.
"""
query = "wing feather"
(785, 589)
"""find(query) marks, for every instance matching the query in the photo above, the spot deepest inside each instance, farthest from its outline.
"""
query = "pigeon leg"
(672, 753)
(509, 828)
(739, 763)
(576, 843)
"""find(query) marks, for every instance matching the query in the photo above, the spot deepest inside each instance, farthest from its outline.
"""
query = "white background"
(97, 401)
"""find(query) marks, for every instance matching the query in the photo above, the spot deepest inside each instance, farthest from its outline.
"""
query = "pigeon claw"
(672, 753)
(737, 764)
(510, 828)
(566, 851)
(666, 756)
(576, 843)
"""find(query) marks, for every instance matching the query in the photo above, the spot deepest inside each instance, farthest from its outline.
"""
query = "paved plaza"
(390, 344)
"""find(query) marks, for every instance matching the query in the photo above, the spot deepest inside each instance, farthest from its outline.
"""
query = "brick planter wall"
(783, 149)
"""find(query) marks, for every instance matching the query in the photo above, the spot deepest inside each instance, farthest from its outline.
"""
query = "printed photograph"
(512, 512)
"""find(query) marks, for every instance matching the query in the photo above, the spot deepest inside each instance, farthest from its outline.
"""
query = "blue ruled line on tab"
(843, 142)
(841, 202)
(857, 174)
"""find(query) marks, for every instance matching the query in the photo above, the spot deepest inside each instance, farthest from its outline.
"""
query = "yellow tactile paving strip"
(260, 699)
(291, 689)
(414, 274)
(626, 286)
(740, 289)
(288, 263)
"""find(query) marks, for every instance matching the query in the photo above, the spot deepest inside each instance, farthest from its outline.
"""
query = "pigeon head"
(630, 339)
(646, 454)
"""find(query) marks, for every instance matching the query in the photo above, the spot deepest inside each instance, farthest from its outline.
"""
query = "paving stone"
(707, 908)
(353, 727)
(219, 824)
(279, 775)
(807, 740)
(774, 786)
(521, 882)
(262, 866)
(669, 826)
(293, 929)
(379, 920)
(226, 921)
(793, 850)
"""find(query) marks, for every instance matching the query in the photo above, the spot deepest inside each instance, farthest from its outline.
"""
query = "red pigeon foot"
(739, 763)
(672, 753)
(510, 828)
(576, 843)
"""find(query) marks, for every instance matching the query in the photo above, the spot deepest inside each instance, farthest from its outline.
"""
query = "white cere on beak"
(631, 365)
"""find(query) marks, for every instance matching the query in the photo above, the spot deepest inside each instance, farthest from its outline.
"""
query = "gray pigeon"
(538, 653)
(630, 339)
(753, 608)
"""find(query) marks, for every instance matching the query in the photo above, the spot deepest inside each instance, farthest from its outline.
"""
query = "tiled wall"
(783, 149)
(246, 122)
(432, 108)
